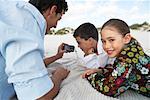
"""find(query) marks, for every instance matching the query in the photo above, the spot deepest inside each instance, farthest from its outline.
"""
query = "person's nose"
(107, 45)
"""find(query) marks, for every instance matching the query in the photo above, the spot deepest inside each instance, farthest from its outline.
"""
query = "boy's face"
(113, 41)
(85, 45)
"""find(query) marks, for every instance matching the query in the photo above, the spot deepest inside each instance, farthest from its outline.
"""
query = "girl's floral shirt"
(131, 69)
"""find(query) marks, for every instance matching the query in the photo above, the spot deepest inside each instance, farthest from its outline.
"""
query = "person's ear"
(52, 9)
(90, 39)
(127, 38)
(50, 12)
(93, 42)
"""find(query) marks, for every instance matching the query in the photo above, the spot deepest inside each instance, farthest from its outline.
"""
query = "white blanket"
(76, 88)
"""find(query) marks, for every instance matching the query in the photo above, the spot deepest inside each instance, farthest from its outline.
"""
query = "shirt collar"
(38, 16)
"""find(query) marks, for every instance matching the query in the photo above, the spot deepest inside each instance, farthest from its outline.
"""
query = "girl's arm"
(103, 71)
(114, 83)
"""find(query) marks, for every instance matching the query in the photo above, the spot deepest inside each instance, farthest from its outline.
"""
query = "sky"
(99, 11)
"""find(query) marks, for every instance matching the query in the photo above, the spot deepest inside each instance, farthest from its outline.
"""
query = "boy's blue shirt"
(22, 30)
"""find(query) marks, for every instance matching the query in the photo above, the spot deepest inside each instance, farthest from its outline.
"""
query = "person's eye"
(111, 40)
(103, 41)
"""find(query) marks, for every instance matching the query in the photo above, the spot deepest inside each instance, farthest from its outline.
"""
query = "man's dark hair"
(43, 5)
(120, 25)
(86, 31)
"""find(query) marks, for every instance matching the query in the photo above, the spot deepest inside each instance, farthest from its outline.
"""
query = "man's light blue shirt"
(22, 29)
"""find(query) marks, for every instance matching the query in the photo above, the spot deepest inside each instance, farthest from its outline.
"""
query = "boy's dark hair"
(43, 5)
(86, 31)
(121, 26)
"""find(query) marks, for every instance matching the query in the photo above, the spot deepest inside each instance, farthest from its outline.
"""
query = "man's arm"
(49, 60)
(59, 55)
(58, 76)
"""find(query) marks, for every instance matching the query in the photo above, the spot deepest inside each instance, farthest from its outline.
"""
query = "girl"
(131, 67)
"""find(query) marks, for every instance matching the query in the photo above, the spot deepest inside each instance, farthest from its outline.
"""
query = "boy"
(86, 36)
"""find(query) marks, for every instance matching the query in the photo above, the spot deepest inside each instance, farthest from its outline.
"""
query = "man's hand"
(60, 52)
(60, 73)
(57, 77)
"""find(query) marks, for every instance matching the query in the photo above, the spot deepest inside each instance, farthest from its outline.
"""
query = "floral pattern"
(131, 70)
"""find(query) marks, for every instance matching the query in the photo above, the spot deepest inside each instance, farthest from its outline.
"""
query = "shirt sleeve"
(25, 67)
(91, 61)
(112, 82)
(103, 58)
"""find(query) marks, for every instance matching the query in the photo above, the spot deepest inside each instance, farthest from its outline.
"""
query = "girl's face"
(85, 45)
(113, 41)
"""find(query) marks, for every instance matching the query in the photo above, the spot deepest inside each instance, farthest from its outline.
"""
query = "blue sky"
(99, 11)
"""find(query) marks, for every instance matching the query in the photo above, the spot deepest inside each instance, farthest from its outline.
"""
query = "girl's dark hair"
(86, 31)
(43, 5)
(118, 24)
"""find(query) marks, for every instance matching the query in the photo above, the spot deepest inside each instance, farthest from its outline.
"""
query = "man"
(22, 29)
